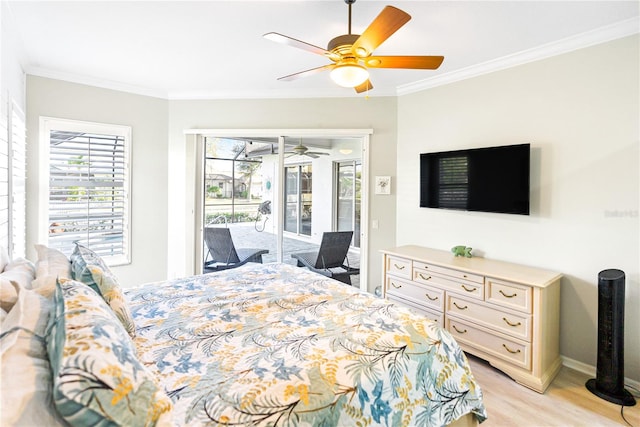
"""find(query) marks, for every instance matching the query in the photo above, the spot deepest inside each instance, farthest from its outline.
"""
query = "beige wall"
(580, 113)
(162, 210)
(148, 119)
(378, 114)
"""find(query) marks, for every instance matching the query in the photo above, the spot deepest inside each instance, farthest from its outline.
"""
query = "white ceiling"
(215, 49)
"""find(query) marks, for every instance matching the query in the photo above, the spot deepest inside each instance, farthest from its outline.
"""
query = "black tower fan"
(609, 381)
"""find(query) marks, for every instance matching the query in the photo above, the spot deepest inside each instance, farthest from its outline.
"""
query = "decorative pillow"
(112, 294)
(81, 258)
(97, 378)
(26, 398)
(89, 268)
(51, 265)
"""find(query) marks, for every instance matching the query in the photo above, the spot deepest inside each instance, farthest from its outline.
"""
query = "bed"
(260, 345)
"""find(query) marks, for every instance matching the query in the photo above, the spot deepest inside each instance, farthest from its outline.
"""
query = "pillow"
(112, 294)
(26, 397)
(80, 259)
(97, 378)
(51, 264)
(89, 268)
(20, 271)
(8, 294)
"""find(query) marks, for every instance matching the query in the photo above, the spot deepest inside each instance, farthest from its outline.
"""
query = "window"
(12, 179)
(88, 200)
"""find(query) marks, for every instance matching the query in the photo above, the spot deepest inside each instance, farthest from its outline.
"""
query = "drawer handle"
(509, 323)
(399, 267)
(430, 297)
(467, 289)
(464, 331)
(424, 277)
(396, 286)
(460, 308)
(507, 296)
(511, 351)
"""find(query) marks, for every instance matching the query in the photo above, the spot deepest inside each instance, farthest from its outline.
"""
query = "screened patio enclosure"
(242, 175)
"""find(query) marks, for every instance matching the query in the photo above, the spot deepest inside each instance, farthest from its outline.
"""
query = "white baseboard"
(591, 370)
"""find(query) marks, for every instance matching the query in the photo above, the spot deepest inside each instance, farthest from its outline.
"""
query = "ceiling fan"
(351, 53)
(301, 150)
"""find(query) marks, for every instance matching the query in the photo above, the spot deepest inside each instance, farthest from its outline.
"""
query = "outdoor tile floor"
(244, 235)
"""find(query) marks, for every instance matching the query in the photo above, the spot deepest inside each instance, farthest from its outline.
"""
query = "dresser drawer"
(472, 289)
(437, 317)
(512, 350)
(515, 325)
(422, 295)
(511, 295)
(448, 272)
(400, 267)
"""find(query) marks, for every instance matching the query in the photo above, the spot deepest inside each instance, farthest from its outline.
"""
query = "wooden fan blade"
(364, 86)
(290, 41)
(414, 62)
(306, 73)
(386, 23)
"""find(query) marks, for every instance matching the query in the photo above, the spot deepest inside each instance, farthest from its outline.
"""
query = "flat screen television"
(493, 179)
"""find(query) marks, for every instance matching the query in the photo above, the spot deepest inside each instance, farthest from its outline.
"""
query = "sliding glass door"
(348, 176)
(262, 189)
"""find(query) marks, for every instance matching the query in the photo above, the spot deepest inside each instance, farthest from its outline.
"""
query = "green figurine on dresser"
(462, 251)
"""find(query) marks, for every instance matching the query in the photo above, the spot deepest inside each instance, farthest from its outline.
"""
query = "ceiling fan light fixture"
(349, 74)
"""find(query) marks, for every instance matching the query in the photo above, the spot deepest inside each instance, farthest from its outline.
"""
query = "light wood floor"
(567, 402)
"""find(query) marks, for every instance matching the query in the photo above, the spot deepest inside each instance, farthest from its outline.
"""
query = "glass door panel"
(305, 199)
(298, 199)
(348, 201)
(291, 199)
(239, 187)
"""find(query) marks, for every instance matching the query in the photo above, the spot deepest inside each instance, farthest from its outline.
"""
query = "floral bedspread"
(277, 345)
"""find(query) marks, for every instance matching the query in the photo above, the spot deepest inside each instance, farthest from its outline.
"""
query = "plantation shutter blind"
(5, 229)
(88, 192)
(18, 183)
(13, 144)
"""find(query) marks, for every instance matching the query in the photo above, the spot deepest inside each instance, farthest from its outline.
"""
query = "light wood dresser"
(504, 313)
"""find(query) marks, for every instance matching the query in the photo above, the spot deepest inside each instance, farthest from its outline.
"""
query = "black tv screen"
(494, 179)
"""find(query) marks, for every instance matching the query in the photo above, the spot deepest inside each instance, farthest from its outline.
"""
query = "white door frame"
(363, 134)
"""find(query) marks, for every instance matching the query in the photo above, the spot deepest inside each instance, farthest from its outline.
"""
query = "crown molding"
(604, 34)
(94, 81)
